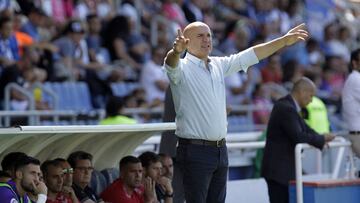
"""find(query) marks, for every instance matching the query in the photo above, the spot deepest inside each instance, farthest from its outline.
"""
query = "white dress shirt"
(351, 101)
(199, 93)
(150, 74)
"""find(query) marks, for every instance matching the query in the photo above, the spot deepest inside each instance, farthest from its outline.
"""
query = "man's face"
(167, 167)
(200, 43)
(54, 179)
(94, 25)
(29, 176)
(154, 170)
(306, 97)
(6, 29)
(82, 172)
(132, 175)
(68, 173)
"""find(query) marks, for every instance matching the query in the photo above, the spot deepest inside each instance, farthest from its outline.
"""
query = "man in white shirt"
(351, 101)
(153, 79)
(198, 89)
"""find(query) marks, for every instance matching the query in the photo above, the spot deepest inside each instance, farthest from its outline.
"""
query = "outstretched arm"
(180, 45)
(296, 34)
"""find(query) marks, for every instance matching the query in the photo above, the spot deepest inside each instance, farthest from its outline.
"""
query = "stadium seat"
(98, 182)
(72, 95)
(122, 89)
(110, 174)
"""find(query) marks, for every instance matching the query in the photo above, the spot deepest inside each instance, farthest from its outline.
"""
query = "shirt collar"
(195, 59)
(298, 108)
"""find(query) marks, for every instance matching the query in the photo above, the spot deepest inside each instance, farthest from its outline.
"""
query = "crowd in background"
(107, 41)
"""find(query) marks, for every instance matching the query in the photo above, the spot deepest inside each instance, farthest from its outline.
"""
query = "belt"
(218, 143)
(354, 132)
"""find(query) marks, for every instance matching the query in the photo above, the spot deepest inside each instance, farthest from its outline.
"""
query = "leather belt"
(218, 143)
(354, 132)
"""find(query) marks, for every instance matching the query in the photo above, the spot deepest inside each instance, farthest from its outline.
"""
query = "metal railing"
(52, 94)
(18, 88)
(34, 116)
(298, 163)
(339, 142)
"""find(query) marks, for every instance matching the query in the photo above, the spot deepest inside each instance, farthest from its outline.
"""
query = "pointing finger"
(179, 33)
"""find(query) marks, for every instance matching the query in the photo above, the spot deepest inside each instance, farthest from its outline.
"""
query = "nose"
(206, 39)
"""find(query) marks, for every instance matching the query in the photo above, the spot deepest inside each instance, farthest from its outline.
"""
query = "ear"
(18, 174)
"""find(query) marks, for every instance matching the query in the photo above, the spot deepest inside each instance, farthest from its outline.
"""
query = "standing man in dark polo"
(286, 128)
(351, 102)
(198, 89)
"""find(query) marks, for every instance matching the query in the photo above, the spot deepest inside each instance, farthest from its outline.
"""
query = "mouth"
(206, 46)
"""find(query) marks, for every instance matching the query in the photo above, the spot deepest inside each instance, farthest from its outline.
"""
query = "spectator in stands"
(22, 38)
(26, 180)
(292, 72)
(272, 72)
(197, 82)
(153, 79)
(74, 53)
(124, 44)
(237, 38)
(93, 39)
(23, 73)
(173, 12)
(54, 180)
(80, 161)
(152, 168)
(128, 187)
(236, 86)
(262, 103)
(192, 10)
(36, 20)
(167, 166)
(286, 129)
(9, 49)
(351, 102)
(67, 170)
(114, 112)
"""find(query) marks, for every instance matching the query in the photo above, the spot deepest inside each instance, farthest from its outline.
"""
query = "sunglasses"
(68, 170)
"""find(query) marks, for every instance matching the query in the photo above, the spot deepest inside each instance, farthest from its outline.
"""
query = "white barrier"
(106, 143)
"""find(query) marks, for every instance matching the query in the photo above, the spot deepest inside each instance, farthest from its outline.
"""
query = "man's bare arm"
(296, 34)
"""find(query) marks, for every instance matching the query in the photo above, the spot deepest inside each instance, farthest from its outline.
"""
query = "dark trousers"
(205, 170)
(278, 193)
(177, 184)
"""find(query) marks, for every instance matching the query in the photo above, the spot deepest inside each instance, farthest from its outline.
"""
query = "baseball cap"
(76, 27)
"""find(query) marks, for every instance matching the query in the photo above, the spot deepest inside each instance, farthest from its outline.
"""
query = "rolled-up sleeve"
(174, 74)
(240, 61)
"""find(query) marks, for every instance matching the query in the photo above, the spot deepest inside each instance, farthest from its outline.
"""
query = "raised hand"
(329, 137)
(149, 190)
(298, 33)
(180, 43)
(166, 184)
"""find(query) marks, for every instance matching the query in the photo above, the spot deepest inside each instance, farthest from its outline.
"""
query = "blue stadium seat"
(110, 174)
(122, 89)
(239, 123)
(98, 182)
(72, 95)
